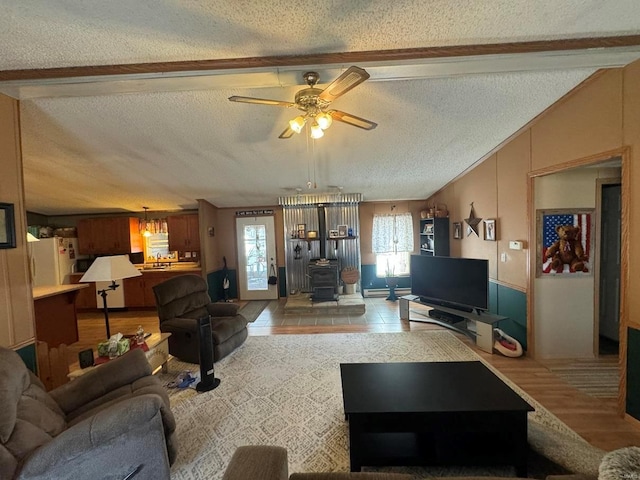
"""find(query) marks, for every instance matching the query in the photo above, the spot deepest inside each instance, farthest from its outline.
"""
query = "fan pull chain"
(315, 185)
(308, 159)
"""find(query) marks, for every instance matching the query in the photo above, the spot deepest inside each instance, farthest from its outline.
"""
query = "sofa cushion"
(8, 463)
(14, 379)
(182, 296)
(29, 417)
(223, 309)
(38, 413)
(223, 328)
(142, 386)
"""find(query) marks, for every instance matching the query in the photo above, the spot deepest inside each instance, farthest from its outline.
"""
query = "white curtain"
(392, 233)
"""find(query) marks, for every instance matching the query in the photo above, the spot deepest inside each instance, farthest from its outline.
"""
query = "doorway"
(609, 279)
(256, 255)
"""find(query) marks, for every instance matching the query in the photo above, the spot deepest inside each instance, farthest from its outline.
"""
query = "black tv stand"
(476, 326)
(445, 316)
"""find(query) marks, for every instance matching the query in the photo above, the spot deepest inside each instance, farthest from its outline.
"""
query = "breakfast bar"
(55, 312)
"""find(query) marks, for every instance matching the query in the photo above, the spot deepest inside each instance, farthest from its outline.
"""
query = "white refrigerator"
(52, 260)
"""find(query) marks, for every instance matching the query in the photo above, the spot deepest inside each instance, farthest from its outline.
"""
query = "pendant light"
(146, 232)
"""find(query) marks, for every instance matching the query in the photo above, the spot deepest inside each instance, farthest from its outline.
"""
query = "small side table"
(157, 356)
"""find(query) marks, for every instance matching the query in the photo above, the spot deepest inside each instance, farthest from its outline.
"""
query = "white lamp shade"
(316, 131)
(107, 269)
(324, 120)
(297, 123)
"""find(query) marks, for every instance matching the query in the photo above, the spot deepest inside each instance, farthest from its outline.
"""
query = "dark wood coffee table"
(436, 413)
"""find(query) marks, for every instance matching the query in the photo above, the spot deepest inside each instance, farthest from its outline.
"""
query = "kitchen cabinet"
(184, 233)
(55, 313)
(86, 298)
(134, 292)
(109, 236)
(138, 291)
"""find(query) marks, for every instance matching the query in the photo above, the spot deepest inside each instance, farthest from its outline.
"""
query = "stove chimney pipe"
(322, 230)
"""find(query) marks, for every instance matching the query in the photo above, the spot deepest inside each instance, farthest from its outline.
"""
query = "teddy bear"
(567, 250)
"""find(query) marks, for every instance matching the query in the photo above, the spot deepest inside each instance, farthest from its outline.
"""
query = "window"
(395, 263)
(392, 242)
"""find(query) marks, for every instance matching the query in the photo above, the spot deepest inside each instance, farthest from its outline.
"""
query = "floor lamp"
(109, 269)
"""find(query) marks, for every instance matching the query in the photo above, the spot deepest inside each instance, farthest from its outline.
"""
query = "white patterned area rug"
(285, 390)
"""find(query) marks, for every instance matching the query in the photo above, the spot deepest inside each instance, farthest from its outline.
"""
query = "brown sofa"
(108, 423)
(264, 462)
(180, 302)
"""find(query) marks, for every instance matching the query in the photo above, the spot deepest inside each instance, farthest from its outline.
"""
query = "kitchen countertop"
(188, 268)
(172, 268)
(52, 290)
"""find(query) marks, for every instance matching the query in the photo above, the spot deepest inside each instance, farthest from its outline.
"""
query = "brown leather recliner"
(181, 301)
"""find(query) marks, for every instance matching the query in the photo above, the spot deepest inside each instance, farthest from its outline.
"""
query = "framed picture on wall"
(490, 229)
(564, 242)
(7, 226)
(457, 230)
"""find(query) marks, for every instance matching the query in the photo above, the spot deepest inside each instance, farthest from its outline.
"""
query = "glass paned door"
(256, 253)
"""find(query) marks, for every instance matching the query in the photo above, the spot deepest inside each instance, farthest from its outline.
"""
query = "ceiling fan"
(314, 102)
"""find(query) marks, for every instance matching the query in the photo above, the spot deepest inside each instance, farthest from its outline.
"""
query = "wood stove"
(324, 281)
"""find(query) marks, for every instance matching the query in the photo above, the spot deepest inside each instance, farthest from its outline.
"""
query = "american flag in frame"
(547, 222)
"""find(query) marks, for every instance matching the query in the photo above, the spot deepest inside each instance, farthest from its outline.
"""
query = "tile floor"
(378, 311)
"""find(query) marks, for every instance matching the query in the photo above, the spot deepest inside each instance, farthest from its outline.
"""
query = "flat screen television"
(459, 283)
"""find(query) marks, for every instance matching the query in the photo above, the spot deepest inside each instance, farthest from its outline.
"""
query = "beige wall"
(513, 160)
(594, 122)
(564, 306)
(480, 188)
(582, 124)
(16, 303)
(631, 137)
(207, 219)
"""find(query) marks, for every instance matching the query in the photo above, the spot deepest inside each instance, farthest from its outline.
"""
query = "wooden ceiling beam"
(396, 55)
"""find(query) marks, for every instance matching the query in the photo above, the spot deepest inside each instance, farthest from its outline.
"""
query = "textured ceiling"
(89, 148)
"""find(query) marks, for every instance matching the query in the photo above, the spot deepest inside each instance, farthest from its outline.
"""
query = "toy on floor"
(506, 345)
(183, 380)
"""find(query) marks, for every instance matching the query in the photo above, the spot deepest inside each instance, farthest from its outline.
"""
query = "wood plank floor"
(596, 420)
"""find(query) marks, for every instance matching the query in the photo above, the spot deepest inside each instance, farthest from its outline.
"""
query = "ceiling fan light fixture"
(297, 124)
(324, 120)
(316, 131)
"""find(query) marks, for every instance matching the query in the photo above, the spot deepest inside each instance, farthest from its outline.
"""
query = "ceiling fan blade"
(352, 120)
(352, 77)
(261, 101)
(288, 133)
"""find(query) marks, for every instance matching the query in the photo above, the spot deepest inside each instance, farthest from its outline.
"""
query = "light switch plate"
(515, 245)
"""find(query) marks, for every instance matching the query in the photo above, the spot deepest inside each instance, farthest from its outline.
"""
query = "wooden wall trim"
(634, 421)
(509, 285)
(581, 162)
(624, 278)
(394, 55)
